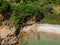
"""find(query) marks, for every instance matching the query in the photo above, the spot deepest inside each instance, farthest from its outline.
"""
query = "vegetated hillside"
(23, 10)
(18, 12)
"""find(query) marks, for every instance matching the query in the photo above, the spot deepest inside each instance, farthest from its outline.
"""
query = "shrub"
(0, 22)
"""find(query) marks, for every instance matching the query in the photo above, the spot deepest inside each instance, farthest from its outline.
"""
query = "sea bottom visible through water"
(39, 38)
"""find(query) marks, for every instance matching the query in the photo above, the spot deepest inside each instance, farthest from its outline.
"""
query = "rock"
(7, 36)
(9, 40)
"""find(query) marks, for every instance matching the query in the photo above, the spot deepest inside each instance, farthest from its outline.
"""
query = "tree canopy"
(20, 9)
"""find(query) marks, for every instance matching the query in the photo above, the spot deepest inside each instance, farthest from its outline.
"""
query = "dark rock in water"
(9, 40)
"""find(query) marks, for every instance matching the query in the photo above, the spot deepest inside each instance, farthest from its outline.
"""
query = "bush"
(0, 22)
(20, 11)
(3, 5)
(23, 11)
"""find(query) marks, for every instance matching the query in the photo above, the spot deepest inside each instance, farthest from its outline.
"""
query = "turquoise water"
(31, 40)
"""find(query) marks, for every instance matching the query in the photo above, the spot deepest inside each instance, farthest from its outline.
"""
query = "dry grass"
(57, 9)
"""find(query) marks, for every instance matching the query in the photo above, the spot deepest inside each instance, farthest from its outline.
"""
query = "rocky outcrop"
(7, 36)
(9, 40)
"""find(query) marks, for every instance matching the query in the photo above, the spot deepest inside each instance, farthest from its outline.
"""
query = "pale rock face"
(7, 36)
(4, 31)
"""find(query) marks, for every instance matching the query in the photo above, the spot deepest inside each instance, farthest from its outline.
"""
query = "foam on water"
(49, 28)
(45, 28)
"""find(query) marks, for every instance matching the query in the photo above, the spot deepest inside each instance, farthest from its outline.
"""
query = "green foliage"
(0, 22)
(19, 11)
(3, 5)
(54, 1)
(23, 10)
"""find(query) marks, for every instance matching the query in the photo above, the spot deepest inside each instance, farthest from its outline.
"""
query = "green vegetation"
(3, 6)
(20, 9)
(52, 19)
(0, 22)
(23, 10)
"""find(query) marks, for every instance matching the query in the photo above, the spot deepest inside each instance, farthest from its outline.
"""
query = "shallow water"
(45, 34)
(43, 40)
